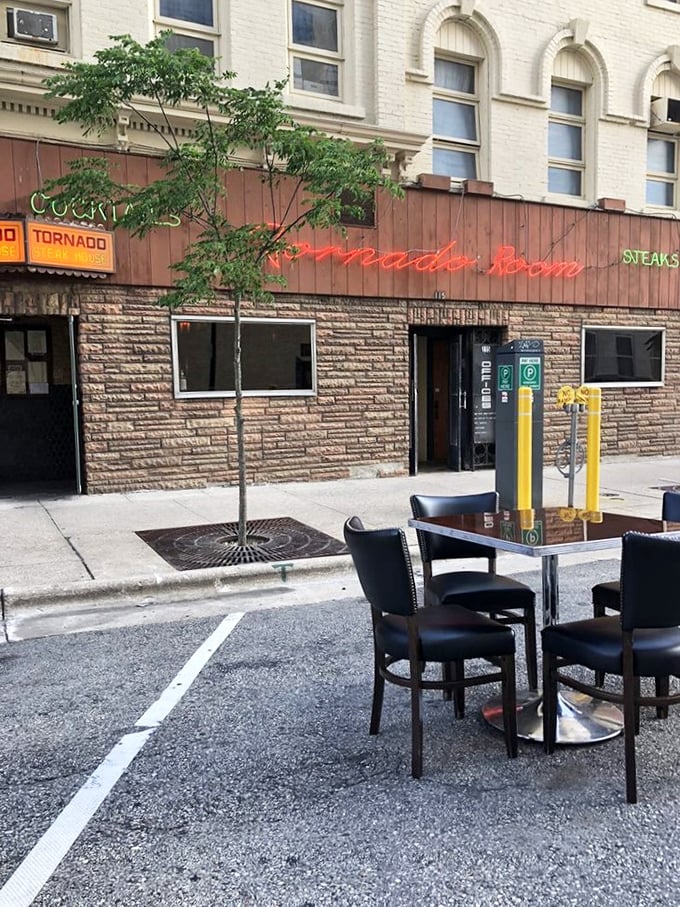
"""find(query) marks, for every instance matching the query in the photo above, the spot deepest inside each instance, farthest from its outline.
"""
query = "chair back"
(384, 567)
(670, 508)
(434, 547)
(650, 581)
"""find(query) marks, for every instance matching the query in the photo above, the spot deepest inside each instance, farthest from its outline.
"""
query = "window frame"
(662, 176)
(68, 22)
(443, 142)
(188, 29)
(42, 356)
(627, 330)
(180, 394)
(560, 118)
(319, 54)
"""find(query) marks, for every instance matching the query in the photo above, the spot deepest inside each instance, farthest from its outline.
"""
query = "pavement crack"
(3, 615)
(68, 541)
(79, 556)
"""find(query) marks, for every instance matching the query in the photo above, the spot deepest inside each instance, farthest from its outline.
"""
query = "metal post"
(573, 408)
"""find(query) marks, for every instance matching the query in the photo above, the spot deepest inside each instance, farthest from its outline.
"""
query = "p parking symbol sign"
(505, 376)
(530, 372)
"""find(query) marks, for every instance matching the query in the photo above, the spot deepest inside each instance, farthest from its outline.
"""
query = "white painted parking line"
(24, 885)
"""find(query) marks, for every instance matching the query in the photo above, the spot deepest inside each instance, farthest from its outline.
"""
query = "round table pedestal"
(580, 718)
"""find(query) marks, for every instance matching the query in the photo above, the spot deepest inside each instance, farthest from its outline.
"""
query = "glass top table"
(551, 532)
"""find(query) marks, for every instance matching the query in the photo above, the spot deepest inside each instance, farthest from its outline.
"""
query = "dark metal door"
(457, 405)
(413, 406)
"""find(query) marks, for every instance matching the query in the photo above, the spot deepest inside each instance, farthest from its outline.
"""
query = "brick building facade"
(539, 154)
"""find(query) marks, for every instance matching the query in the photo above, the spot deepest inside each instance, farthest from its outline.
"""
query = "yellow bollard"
(525, 400)
(593, 450)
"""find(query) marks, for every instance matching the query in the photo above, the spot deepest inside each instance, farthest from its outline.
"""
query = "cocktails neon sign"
(104, 212)
(506, 262)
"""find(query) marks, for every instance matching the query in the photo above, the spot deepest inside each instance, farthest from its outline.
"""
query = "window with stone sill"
(566, 132)
(45, 26)
(455, 119)
(193, 24)
(662, 171)
(278, 357)
(316, 47)
(673, 6)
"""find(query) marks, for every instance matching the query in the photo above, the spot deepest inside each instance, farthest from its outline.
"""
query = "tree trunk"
(238, 418)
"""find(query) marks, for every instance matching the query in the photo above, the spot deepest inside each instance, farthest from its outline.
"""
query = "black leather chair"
(403, 632)
(607, 596)
(643, 641)
(504, 599)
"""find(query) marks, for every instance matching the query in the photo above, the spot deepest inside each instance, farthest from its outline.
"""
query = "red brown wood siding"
(424, 222)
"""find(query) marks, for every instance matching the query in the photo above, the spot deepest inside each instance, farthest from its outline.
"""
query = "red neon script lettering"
(508, 262)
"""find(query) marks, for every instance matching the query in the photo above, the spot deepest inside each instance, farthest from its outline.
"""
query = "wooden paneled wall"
(497, 250)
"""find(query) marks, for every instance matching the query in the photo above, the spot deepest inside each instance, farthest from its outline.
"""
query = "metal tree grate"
(269, 541)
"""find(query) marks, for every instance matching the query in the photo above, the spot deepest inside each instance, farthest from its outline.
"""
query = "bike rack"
(573, 402)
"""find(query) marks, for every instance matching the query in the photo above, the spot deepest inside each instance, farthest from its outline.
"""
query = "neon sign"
(506, 262)
(103, 212)
(649, 259)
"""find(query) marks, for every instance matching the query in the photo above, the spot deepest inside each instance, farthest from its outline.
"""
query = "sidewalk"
(59, 550)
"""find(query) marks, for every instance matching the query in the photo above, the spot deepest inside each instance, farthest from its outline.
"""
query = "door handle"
(463, 399)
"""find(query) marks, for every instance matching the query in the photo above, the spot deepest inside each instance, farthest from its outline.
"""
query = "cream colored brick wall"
(388, 50)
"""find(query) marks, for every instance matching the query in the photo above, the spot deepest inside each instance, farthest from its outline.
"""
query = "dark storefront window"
(24, 358)
(277, 357)
(623, 355)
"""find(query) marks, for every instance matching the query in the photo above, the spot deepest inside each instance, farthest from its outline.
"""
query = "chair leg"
(416, 723)
(447, 677)
(630, 714)
(530, 650)
(663, 688)
(636, 688)
(378, 691)
(459, 692)
(509, 705)
(598, 611)
(549, 702)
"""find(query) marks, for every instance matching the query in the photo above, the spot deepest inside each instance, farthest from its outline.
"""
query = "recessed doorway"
(452, 398)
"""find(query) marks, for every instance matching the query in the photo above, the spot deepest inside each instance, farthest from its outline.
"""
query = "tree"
(327, 177)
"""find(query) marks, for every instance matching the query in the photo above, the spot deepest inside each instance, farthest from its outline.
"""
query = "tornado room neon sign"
(505, 263)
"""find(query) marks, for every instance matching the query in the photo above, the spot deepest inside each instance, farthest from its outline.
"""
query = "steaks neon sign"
(505, 263)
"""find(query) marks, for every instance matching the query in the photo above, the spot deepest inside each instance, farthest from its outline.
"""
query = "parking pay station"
(519, 422)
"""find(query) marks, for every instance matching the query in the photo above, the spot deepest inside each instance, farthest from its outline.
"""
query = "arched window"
(662, 142)
(567, 136)
(459, 79)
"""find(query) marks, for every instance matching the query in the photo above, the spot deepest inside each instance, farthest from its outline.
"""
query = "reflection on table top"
(555, 530)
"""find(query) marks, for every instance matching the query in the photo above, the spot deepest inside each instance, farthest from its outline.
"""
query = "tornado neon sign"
(505, 263)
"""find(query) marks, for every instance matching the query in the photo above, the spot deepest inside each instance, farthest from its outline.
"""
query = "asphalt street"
(261, 786)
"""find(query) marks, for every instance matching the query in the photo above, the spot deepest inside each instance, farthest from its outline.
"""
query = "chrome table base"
(580, 718)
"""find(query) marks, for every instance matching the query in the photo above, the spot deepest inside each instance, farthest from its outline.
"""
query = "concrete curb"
(156, 588)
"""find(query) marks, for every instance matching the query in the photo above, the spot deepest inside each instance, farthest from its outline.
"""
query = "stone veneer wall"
(136, 435)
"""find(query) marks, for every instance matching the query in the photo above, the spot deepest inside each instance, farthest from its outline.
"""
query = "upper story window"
(661, 186)
(197, 11)
(455, 119)
(316, 47)
(662, 171)
(566, 134)
(192, 23)
(45, 25)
